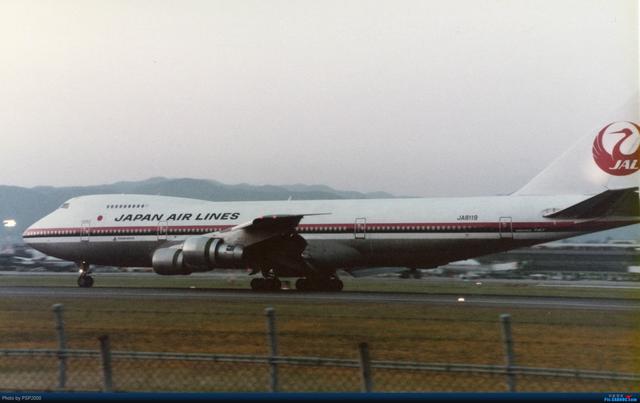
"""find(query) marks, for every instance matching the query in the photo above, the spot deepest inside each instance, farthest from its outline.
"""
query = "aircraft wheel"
(275, 284)
(257, 284)
(336, 284)
(301, 284)
(85, 281)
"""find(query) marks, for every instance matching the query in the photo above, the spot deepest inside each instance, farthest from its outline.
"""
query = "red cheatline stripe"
(370, 227)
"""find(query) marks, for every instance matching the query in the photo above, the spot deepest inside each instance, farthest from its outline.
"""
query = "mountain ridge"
(27, 205)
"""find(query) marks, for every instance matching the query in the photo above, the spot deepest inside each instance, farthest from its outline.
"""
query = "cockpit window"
(65, 205)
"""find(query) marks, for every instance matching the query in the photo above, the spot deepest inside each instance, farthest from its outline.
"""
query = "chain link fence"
(66, 369)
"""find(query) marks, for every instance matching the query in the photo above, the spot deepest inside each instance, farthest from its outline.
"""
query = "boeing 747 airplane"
(593, 187)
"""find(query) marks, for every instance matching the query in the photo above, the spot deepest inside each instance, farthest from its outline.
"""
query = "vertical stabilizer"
(607, 158)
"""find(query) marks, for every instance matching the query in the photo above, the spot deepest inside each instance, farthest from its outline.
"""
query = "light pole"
(9, 224)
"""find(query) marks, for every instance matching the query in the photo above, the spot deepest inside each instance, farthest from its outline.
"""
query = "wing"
(262, 228)
(278, 222)
(270, 242)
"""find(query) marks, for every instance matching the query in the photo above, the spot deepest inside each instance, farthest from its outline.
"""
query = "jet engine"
(198, 254)
(169, 261)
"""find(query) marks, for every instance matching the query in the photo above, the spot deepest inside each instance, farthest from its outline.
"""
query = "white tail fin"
(607, 158)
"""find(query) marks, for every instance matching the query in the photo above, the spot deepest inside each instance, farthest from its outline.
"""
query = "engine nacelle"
(198, 254)
(169, 261)
(213, 253)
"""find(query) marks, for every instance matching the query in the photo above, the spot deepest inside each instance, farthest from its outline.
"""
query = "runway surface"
(350, 297)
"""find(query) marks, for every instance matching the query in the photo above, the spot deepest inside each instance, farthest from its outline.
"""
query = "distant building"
(614, 256)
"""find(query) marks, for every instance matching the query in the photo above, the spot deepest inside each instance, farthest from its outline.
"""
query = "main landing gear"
(85, 280)
(269, 282)
(302, 284)
(266, 284)
(332, 283)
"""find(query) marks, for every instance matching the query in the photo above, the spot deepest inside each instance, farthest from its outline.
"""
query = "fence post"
(105, 354)
(508, 348)
(62, 347)
(273, 349)
(365, 367)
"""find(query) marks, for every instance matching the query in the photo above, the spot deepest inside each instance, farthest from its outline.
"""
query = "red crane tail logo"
(616, 148)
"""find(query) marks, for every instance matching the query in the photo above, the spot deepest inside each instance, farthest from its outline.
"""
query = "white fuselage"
(125, 230)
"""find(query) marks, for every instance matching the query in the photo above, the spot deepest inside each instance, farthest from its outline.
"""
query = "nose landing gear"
(85, 280)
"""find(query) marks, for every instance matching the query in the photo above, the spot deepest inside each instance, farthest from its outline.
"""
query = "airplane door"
(506, 228)
(85, 230)
(360, 231)
(163, 230)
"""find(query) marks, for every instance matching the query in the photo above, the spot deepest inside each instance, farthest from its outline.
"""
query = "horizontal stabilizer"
(618, 202)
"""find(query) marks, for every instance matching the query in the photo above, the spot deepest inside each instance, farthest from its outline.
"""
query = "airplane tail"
(606, 159)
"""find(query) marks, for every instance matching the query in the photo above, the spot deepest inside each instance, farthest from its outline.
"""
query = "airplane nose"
(27, 235)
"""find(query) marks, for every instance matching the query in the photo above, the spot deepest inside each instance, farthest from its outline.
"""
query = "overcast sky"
(410, 97)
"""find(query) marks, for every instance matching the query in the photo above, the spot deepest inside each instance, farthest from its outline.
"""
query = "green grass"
(124, 280)
(555, 338)
(484, 287)
(416, 332)
(241, 281)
